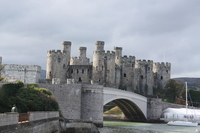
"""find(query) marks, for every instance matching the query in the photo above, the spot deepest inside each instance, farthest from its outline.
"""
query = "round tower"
(99, 45)
(98, 72)
(82, 52)
(66, 49)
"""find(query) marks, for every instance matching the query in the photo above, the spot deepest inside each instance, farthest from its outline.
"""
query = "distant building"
(109, 69)
(24, 73)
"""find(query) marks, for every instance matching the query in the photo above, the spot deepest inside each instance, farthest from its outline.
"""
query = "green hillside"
(193, 83)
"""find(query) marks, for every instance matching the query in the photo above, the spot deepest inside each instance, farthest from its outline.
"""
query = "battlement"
(74, 58)
(54, 52)
(110, 52)
(144, 62)
(99, 42)
(99, 45)
(66, 43)
(117, 48)
(82, 48)
(162, 64)
(129, 59)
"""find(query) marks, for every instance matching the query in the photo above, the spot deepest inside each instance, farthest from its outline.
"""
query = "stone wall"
(39, 115)
(24, 73)
(8, 119)
(92, 104)
(68, 97)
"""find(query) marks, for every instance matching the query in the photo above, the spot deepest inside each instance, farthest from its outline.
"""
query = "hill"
(193, 83)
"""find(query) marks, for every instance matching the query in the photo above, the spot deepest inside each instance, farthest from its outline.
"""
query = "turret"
(144, 76)
(110, 69)
(57, 62)
(162, 74)
(99, 45)
(128, 73)
(82, 52)
(98, 71)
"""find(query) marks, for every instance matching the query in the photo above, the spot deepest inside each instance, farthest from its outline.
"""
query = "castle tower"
(128, 68)
(162, 74)
(144, 76)
(110, 69)
(98, 70)
(82, 52)
(57, 62)
(80, 69)
(82, 60)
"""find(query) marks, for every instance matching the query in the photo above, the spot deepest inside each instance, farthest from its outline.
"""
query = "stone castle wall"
(109, 69)
(25, 73)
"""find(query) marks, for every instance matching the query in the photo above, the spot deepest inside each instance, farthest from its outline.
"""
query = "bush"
(26, 99)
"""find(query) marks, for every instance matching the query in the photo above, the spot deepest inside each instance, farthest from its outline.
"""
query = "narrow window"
(82, 70)
(79, 79)
(64, 66)
(72, 71)
(77, 70)
(124, 74)
(161, 77)
(167, 71)
(141, 77)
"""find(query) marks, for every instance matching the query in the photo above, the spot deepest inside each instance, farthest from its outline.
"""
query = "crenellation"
(109, 69)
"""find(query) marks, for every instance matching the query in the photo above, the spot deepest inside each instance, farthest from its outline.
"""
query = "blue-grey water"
(136, 127)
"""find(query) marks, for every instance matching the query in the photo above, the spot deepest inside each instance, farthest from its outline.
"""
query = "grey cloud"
(156, 30)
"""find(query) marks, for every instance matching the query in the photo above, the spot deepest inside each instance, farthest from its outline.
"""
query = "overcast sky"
(158, 30)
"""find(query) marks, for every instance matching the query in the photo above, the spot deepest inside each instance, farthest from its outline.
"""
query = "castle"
(109, 69)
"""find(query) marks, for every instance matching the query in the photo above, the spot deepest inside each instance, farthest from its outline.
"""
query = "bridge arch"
(133, 106)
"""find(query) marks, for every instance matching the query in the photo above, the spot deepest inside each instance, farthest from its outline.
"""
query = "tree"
(30, 98)
(173, 89)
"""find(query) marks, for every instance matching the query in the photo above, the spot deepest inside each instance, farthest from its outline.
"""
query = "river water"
(136, 127)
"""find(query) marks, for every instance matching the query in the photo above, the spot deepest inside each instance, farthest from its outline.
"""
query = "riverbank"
(135, 127)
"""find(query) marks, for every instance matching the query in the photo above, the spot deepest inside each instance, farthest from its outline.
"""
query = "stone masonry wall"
(8, 119)
(39, 115)
(24, 73)
(68, 97)
(92, 104)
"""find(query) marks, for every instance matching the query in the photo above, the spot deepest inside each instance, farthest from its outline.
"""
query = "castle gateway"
(109, 69)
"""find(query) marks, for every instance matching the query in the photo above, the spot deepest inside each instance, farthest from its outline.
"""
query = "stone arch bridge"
(86, 102)
(133, 106)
